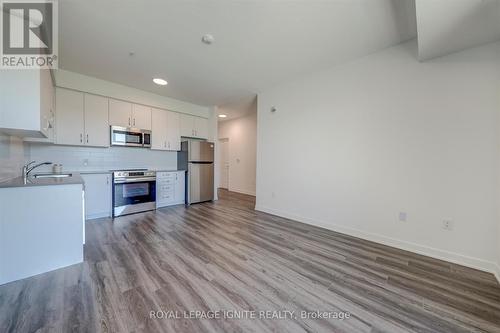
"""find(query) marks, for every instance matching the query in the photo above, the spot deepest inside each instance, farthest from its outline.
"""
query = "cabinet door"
(173, 131)
(97, 195)
(69, 117)
(159, 129)
(201, 128)
(187, 125)
(180, 188)
(46, 104)
(96, 121)
(141, 117)
(120, 113)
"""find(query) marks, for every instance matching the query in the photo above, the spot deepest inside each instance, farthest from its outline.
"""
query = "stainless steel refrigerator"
(197, 157)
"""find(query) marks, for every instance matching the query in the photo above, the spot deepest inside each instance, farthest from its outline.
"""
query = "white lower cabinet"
(97, 195)
(170, 188)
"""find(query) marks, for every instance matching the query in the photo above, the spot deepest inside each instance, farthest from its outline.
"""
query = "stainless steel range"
(134, 191)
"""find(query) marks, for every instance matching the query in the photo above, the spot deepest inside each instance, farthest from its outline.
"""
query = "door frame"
(220, 141)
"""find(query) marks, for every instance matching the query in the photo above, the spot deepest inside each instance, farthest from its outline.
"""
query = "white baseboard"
(497, 272)
(96, 216)
(457, 258)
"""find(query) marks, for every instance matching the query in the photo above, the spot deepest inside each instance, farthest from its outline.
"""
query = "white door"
(70, 118)
(159, 129)
(96, 121)
(201, 128)
(141, 117)
(224, 163)
(120, 113)
(173, 131)
(187, 125)
(97, 195)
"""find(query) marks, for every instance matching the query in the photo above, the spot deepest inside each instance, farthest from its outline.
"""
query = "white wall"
(74, 158)
(447, 26)
(242, 135)
(12, 156)
(351, 147)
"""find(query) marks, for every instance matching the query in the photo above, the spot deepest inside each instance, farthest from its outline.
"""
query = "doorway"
(224, 163)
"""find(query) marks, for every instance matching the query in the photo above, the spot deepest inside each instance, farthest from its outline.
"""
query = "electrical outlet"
(403, 216)
(273, 195)
(448, 225)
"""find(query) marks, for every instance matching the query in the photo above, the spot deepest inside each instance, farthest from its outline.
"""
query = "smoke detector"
(208, 39)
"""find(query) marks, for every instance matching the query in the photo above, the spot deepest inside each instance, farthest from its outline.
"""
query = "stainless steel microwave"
(130, 137)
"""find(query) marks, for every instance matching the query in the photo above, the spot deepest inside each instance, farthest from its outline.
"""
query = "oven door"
(133, 196)
(122, 136)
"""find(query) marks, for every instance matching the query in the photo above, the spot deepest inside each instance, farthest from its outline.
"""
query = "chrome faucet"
(30, 167)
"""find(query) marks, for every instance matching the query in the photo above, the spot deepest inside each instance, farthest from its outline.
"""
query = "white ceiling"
(240, 108)
(259, 43)
(446, 26)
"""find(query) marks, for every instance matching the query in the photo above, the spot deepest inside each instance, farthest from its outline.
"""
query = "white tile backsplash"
(12, 157)
(91, 159)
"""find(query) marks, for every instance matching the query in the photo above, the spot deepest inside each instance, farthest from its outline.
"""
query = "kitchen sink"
(53, 175)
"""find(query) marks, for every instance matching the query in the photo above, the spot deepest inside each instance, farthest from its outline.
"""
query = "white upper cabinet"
(165, 130)
(47, 104)
(81, 119)
(26, 103)
(70, 120)
(96, 121)
(141, 117)
(126, 114)
(48, 108)
(173, 131)
(120, 113)
(159, 129)
(187, 125)
(201, 127)
(193, 127)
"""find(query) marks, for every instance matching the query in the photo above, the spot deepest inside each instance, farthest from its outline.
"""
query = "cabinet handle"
(134, 121)
(81, 137)
(129, 121)
(169, 144)
(107, 180)
(87, 138)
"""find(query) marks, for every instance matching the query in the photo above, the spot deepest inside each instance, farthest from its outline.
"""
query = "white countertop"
(75, 179)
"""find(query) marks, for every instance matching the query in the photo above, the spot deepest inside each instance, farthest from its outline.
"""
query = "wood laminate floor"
(225, 256)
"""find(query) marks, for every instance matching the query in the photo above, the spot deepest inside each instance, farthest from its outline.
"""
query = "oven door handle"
(134, 180)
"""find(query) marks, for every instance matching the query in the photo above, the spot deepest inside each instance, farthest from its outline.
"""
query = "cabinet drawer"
(166, 188)
(164, 175)
(166, 181)
(167, 197)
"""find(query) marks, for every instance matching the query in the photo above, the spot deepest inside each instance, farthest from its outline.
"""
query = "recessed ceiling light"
(208, 39)
(160, 82)
(222, 116)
